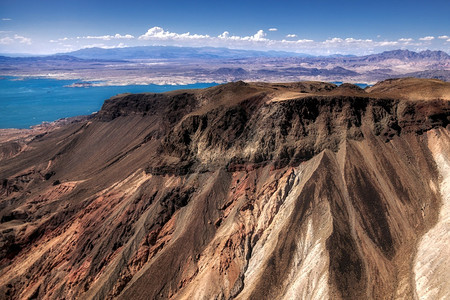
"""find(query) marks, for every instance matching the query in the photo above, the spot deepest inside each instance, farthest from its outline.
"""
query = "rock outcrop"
(245, 190)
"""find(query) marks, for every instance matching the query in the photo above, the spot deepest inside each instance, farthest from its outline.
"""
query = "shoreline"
(25, 134)
(108, 82)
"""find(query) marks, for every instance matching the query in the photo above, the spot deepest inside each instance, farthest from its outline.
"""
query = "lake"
(30, 101)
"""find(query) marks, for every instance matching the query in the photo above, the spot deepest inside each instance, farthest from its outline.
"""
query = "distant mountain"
(408, 55)
(403, 55)
(170, 52)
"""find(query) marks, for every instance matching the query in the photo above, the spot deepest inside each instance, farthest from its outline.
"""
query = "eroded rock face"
(248, 191)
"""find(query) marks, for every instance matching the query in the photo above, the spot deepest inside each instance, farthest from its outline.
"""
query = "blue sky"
(315, 27)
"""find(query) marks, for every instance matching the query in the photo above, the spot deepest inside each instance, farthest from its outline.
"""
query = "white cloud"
(291, 35)
(387, 43)
(224, 35)
(61, 40)
(444, 37)
(296, 42)
(17, 38)
(22, 39)
(405, 40)
(337, 40)
(158, 33)
(109, 37)
(273, 29)
(334, 40)
(6, 19)
(352, 40)
(257, 37)
(90, 37)
(101, 45)
(6, 40)
(427, 38)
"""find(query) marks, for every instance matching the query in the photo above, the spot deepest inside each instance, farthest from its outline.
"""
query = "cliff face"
(249, 191)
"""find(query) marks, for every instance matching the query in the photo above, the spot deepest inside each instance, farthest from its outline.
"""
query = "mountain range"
(182, 65)
(172, 52)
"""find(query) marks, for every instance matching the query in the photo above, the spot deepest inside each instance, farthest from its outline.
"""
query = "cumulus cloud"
(158, 33)
(257, 37)
(405, 40)
(224, 35)
(291, 35)
(273, 29)
(427, 38)
(444, 37)
(224, 39)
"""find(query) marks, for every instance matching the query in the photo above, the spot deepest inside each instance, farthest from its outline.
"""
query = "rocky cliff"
(244, 190)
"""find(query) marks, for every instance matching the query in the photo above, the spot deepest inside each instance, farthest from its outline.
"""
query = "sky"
(313, 27)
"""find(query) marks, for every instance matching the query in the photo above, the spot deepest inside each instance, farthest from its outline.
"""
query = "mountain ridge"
(243, 190)
(173, 52)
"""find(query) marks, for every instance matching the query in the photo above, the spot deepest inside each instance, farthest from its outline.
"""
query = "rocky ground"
(244, 190)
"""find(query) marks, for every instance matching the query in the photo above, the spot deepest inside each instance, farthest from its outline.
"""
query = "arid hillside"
(302, 190)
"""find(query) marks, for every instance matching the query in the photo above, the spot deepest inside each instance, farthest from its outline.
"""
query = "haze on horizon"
(328, 27)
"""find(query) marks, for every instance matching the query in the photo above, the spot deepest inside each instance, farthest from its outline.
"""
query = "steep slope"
(248, 191)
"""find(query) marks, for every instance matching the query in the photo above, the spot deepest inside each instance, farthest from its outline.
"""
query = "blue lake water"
(361, 85)
(30, 101)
